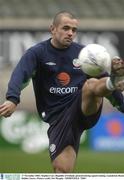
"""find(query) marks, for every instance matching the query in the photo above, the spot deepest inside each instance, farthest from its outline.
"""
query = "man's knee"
(90, 85)
(60, 167)
(96, 87)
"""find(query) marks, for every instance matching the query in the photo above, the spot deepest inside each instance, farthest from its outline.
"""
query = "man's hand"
(7, 108)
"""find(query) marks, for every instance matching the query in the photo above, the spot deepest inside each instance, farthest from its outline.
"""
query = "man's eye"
(74, 29)
(66, 28)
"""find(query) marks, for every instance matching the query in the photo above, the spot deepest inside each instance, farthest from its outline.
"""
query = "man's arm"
(19, 79)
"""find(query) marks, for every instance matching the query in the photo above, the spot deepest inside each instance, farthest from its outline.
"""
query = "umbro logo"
(51, 63)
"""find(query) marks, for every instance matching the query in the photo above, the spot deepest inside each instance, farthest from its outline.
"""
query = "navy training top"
(56, 80)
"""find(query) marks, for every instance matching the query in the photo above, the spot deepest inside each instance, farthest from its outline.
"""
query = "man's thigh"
(91, 97)
(65, 161)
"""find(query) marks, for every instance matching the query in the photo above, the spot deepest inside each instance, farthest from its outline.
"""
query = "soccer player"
(71, 100)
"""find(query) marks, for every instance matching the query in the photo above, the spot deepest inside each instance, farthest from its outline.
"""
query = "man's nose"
(70, 32)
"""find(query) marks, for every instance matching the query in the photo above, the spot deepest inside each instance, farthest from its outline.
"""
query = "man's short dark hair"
(60, 14)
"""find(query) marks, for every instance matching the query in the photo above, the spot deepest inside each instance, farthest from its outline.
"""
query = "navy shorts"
(67, 125)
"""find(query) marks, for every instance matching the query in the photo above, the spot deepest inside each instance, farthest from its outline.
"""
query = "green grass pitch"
(15, 161)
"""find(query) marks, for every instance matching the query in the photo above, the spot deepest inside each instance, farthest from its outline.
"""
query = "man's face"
(64, 32)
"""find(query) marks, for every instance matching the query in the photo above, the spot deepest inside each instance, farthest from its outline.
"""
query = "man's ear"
(52, 27)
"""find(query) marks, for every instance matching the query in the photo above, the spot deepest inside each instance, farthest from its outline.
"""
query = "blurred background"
(23, 136)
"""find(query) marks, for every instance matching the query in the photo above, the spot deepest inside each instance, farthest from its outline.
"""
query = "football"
(94, 60)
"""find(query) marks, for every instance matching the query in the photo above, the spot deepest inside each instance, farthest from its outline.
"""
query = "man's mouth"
(68, 39)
